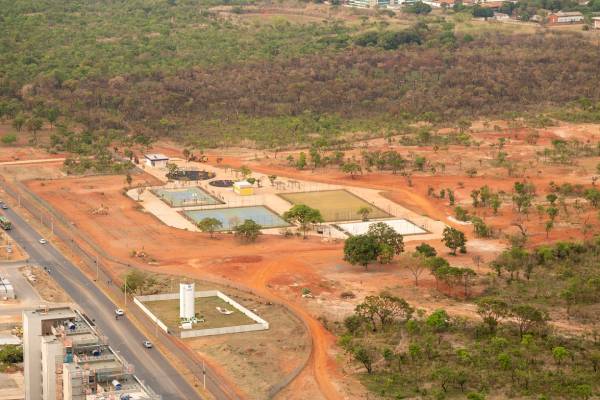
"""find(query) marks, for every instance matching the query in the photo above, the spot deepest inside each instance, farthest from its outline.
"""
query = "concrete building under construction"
(66, 358)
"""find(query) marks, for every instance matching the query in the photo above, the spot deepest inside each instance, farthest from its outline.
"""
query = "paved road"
(150, 366)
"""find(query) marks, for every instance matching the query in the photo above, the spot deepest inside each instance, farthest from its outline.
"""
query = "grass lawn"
(168, 312)
(335, 205)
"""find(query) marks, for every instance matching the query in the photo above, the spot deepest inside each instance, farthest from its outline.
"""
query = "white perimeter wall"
(401, 226)
(260, 324)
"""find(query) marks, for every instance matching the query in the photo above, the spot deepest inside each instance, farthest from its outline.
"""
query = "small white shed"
(156, 160)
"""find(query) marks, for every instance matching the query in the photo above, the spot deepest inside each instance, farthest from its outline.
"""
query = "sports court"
(335, 205)
(192, 196)
(230, 217)
(401, 226)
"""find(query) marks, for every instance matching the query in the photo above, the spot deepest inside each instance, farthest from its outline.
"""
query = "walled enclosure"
(260, 324)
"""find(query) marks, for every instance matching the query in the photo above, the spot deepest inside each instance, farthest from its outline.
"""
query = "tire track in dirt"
(322, 340)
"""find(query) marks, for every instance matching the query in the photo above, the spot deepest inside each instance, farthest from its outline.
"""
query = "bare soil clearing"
(277, 268)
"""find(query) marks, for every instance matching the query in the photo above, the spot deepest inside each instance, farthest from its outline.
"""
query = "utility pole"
(204, 375)
(97, 268)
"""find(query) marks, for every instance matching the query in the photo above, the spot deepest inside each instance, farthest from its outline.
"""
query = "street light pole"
(204, 375)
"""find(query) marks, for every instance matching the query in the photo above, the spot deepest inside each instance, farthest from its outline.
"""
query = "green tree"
(364, 212)
(33, 125)
(9, 139)
(419, 8)
(453, 239)
(315, 157)
(492, 311)
(245, 171)
(19, 122)
(438, 321)
(523, 196)
(548, 227)
(559, 353)
(248, 231)
(209, 225)
(528, 317)
(361, 250)
(593, 196)
(351, 168)
(386, 237)
(304, 216)
(383, 310)
(172, 170)
(426, 250)
(301, 162)
(11, 354)
(128, 179)
(482, 12)
(365, 357)
(52, 115)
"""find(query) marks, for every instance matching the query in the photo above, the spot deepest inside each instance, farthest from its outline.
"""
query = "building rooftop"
(243, 184)
(569, 14)
(156, 157)
(85, 353)
(51, 313)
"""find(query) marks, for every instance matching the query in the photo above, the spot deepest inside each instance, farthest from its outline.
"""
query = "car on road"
(4, 207)
(43, 241)
(119, 312)
(147, 344)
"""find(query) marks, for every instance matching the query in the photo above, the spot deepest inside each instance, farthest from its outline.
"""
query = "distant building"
(156, 160)
(596, 22)
(501, 16)
(571, 17)
(243, 188)
(379, 3)
(65, 358)
(494, 5)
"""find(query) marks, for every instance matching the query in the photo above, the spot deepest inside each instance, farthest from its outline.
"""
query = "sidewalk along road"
(150, 365)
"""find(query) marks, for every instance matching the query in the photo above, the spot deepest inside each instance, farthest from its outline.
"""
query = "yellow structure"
(243, 188)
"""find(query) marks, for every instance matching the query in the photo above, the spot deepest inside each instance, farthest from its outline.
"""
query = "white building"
(378, 3)
(65, 359)
(38, 347)
(596, 21)
(561, 17)
(156, 160)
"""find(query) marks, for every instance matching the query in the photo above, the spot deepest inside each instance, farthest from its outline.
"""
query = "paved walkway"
(38, 161)
(266, 195)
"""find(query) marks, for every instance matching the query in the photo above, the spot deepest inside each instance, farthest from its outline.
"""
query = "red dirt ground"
(278, 268)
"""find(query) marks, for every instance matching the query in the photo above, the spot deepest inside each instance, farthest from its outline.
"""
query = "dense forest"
(175, 68)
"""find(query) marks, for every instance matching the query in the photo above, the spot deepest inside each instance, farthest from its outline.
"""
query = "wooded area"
(180, 70)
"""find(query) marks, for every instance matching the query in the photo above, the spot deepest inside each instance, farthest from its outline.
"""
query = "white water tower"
(186, 300)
